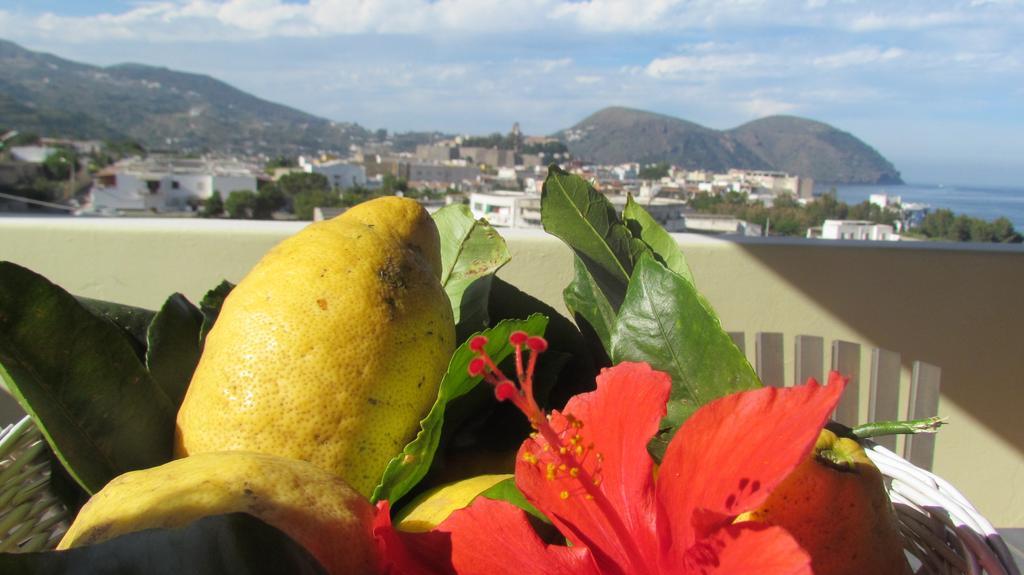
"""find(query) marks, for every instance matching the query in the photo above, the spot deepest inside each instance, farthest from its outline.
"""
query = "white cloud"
(760, 107)
(859, 57)
(704, 64)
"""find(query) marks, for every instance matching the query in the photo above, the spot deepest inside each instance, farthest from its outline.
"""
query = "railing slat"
(884, 391)
(769, 350)
(809, 357)
(924, 402)
(846, 360)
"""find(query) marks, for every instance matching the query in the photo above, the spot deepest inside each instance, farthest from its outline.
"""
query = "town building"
(167, 183)
(339, 173)
(506, 208)
(853, 230)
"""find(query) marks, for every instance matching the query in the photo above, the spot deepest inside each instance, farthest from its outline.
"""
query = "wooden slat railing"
(883, 387)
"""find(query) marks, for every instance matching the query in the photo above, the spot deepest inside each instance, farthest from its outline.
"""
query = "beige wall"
(959, 308)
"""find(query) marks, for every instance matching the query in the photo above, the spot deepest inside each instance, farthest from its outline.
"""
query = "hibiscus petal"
(744, 549)
(494, 538)
(401, 553)
(613, 426)
(732, 453)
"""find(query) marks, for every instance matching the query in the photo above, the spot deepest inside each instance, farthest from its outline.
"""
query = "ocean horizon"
(984, 202)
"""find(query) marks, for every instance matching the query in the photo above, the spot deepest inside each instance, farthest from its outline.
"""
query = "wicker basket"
(943, 531)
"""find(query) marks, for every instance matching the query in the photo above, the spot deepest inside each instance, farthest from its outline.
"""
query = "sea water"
(985, 202)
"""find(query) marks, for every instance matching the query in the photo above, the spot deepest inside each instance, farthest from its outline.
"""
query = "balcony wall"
(959, 307)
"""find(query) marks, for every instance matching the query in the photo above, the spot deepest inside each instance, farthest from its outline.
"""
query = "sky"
(936, 86)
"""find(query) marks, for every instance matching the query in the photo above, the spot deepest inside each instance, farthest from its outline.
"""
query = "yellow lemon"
(318, 510)
(331, 349)
(834, 504)
(431, 508)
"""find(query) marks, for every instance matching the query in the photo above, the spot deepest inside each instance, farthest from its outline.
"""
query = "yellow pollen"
(551, 472)
(579, 450)
(589, 497)
(530, 458)
(597, 481)
(574, 472)
(561, 468)
(562, 450)
(564, 495)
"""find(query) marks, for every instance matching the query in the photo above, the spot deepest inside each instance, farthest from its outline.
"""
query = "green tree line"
(788, 217)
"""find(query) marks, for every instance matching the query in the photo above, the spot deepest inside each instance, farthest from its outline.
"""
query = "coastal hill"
(785, 143)
(166, 109)
(157, 107)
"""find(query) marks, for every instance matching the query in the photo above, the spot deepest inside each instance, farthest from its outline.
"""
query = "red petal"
(494, 537)
(401, 553)
(732, 453)
(618, 419)
(752, 548)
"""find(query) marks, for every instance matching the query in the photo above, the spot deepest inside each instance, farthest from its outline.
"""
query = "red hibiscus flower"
(587, 468)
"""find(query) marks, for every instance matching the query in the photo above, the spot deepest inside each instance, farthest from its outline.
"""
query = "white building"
(339, 173)
(506, 208)
(32, 154)
(165, 183)
(853, 230)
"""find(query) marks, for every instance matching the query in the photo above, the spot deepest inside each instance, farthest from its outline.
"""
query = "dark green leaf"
(233, 544)
(210, 306)
(173, 350)
(666, 323)
(585, 300)
(407, 468)
(471, 251)
(664, 246)
(133, 320)
(78, 376)
(506, 490)
(585, 220)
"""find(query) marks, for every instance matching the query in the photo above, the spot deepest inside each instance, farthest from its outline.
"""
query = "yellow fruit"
(318, 510)
(434, 506)
(835, 505)
(331, 349)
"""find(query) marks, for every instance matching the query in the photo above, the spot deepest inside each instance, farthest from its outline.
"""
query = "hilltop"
(784, 143)
(157, 107)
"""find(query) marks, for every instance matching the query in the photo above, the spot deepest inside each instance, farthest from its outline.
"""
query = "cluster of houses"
(500, 185)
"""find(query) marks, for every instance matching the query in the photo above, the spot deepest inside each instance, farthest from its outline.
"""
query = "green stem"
(875, 429)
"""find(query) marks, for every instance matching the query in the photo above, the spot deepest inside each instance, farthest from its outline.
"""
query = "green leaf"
(585, 300)
(665, 248)
(471, 251)
(666, 323)
(506, 490)
(407, 468)
(173, 350)
(210, 307)
(585, 220)
(133, 320)
(78, 376)
(236, 543)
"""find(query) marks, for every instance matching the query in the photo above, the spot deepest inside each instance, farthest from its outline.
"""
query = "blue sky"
(936, 86)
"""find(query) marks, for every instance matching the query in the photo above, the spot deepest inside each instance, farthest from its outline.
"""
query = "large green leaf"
(665, 247)
(173, 350)
(79, 377)
(583, 218)
(666, 323)
(133, 320)
(407, 468)
(236, 543)
(506, 490)
(210, 306)
(585, 300)
(471, 251)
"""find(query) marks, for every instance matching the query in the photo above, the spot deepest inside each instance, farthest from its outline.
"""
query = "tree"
(241, 204)
(60, 164)
(306, 201)
(295, 183)
(653, 171)
(213, 207)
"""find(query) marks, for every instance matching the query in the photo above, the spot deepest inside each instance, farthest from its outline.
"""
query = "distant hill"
(784, 143)
(158, 107)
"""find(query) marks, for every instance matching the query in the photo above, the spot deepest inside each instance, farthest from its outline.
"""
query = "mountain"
(158, 107)
(784, 143)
